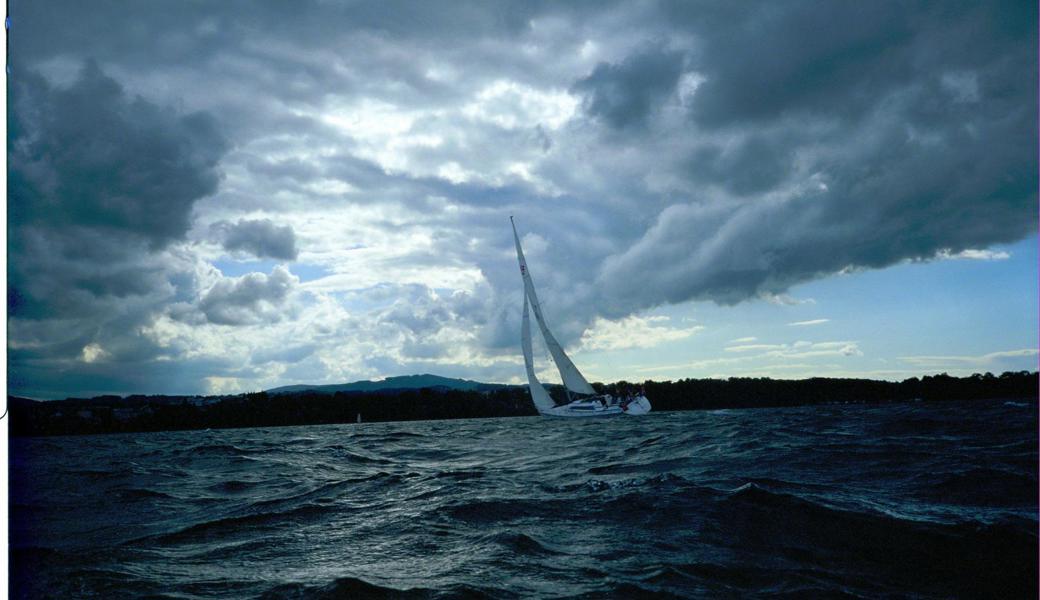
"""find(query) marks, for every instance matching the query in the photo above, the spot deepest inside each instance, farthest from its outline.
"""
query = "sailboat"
(582, 399)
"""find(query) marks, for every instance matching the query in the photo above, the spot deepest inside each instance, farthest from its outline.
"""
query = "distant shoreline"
(114, 414)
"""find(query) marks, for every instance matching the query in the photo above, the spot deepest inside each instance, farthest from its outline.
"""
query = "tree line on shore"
(114, 414)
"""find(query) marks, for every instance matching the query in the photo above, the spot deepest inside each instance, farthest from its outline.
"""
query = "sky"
(210, 198)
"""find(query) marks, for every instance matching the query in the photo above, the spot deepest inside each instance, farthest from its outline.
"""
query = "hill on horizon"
(401, 382)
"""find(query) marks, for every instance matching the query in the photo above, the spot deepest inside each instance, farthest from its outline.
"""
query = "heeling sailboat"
(583, 401)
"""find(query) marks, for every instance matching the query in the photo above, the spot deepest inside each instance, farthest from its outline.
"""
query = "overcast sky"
(211, 197)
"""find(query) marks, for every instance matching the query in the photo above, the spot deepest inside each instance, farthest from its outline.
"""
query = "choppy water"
(922, 500)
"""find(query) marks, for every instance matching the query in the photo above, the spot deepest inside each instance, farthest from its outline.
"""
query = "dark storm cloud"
(92, 156)
(173, 31)
(802, 57)
(100, 183)
(752, 165)
(260, 237)
(921, 129)
(301, 52)
(39, 378)
(76, 272)
(840, 59)
(625, 94)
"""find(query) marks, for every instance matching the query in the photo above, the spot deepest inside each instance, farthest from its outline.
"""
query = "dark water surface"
(912, 500)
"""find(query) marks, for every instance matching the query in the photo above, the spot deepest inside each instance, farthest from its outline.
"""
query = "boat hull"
(562, 411)
(591, 409)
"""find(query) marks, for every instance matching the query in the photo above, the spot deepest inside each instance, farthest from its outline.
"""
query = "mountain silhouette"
(403, 382)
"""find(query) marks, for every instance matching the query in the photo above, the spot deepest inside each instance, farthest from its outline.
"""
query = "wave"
(984, 487)
(232, 486)
(714, 576)
(233, 550)
(352, 456)
(523, 544)
(501, 510)
(659, 466)
(663, 480)
(908, 552)
(460, 475)
(246, 525)
(142, 494)
(650, 441)
(628, 590)
(299, 507)
(99, 474)
(79, 577)
(331, 489)
(354, 587)
(386, 435)
(219, 449)
(301, 441)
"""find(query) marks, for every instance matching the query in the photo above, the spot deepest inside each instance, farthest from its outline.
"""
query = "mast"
(573, 380)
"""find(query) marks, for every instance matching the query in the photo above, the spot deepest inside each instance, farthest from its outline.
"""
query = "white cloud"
(971, 254)
(762, 358)
(818, 350)
(810, 322)
(93, 352)
(753, 347)
(633, 332)
(786, 299)
(691, 366)
(509, 104)
(225, 385)
(800, 349)
(978, 361)
(250, 299)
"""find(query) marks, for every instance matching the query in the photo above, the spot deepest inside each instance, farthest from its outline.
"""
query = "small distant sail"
(572, 378)
(359, 417)
(542, 401)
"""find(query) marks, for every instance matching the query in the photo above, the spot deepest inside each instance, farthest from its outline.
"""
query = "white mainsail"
(542, 401)
(572, 378)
